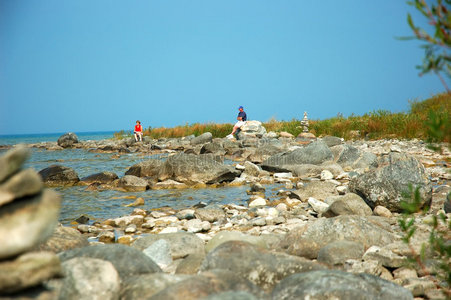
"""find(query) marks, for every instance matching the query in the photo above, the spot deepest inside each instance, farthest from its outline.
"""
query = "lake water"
(100, 205)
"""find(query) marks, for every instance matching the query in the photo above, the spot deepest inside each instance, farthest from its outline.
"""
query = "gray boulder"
(332, 140)
(25, 224)
(263, 241)
(190, 264)
(309, 170)
(58, 175)
(89, 278)
(314, 153)
(67, 140)
(262, 267)
(132, 183)
(319, 190)
(349, 204)
(210, 213)
(349, 156)
(119, 255)
(336, 253)
(265, 151)
(148, 168)
(146, 285)
(182, 243)
(214, 147)
(100, 178)
(12, 161)
(63, 239)
(387, 185)
(333, 284)
(28, 270)
(232, 295)
(252, 129)
(190, 168)
(208, 283)
(206, 137)
(306, 241)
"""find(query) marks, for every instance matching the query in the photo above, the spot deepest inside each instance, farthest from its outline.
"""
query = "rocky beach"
(317, 218)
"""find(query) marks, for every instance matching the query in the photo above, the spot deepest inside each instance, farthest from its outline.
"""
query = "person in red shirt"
(138, 131)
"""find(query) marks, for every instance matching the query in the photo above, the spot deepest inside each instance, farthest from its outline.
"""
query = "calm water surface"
(100, 205)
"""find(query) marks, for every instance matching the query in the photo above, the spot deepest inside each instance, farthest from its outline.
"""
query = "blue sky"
(100, 65)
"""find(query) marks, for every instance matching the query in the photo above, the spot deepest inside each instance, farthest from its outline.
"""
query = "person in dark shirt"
(242, 118)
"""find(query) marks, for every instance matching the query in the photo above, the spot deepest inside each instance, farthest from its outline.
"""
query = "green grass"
(373, 125)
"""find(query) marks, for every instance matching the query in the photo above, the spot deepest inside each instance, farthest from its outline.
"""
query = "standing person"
(242, 117)
(138, 131)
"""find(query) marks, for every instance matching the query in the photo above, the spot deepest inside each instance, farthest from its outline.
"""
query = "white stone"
(127, 220)
(257, 202)
(239, 167)
(326, 175)
(318, 206)
(282, 207)
(130, 228)
(169, 230)
(286, 175)
(273, 212)
(342, 189)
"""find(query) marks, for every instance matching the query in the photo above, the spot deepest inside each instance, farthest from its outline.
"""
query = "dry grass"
(373, 125)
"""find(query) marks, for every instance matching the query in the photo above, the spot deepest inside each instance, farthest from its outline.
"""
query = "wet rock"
(62, 239)
(336, 253)
(28, 270)
(100, 178)
(12, 160)
(149, 168)
(260, 266)
(146, 285)
(30, 221)
(308, 240)
(83, 219)
(210, 213)
(188, 168)
(169, 184)
(332, 284)
(67, 140)
(315, 153)
(387, 184)
(132, 183)
(89, 278)
(58, 175)
(206, 137)
(257, 188)
(349, 204)
(207, 283)
(182, 243)
(23, 183)
(118, 255)
(106, 237)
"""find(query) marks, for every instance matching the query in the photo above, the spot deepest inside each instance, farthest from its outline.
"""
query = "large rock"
(349, 156)
(214, 147)
(260, 266)
(265, 151)
(264, 241)
(202, 139)
(89, 278)
(314, 153)
(319, 190)
(332, 284)
(67, 140)
(332, 140)
(58, 175)
(336, 253)
(148, 168)
(132, 183)
(252, 129)
(28, 270)
(100, 178)
(309, 170)
(21, 184)
(388, 184)
(308, 240)
(63, 239)
(190, 168)
(349, 204)
(12, 161)
(210, 213)
(28, 222)
(127, 260)
(182, 243)
(146, 285)
(208, 283)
